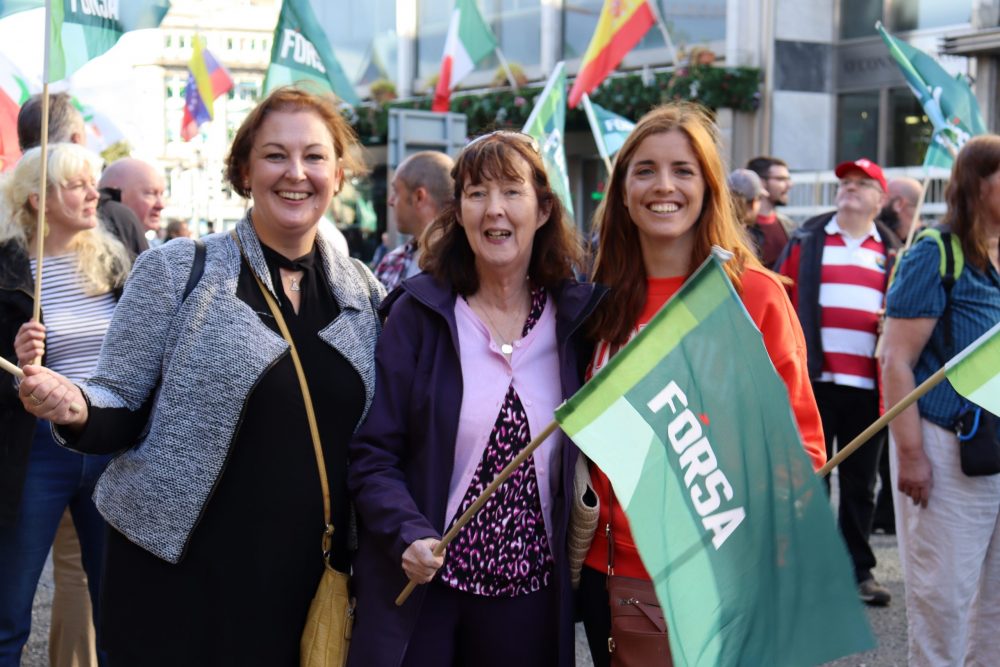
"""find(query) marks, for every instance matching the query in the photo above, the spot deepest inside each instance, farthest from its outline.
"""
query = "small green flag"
(610, 130)
(81, 30)
(692, 425)
(975, 372)
(547, 124)
(948, 101)
(302, 52)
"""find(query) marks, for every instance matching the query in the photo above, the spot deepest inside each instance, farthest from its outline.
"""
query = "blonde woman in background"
(83, 272)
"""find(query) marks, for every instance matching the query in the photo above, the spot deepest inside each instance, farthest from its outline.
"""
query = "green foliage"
(715, 87)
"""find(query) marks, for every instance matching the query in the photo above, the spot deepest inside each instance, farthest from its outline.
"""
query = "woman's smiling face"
(664, 188)
(294, 171)
(500, 218)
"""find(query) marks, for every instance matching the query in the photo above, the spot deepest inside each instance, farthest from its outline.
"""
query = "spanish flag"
(620, 27)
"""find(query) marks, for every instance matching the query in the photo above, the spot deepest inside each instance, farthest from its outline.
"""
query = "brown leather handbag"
(638, 627)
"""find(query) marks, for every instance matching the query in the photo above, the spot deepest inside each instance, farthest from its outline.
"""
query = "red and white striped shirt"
(851, 294)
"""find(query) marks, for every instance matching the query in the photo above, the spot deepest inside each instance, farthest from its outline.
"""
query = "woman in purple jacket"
(475, 355)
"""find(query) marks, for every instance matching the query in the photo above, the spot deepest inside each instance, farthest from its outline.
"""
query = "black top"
(241, 593)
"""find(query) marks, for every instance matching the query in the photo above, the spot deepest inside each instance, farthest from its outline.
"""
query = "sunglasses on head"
(513, 134)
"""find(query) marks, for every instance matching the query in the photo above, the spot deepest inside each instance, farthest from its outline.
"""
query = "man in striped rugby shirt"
(839, 264)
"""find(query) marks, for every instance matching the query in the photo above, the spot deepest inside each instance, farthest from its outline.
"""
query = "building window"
(909, 130)
(858, 17)
(689, 24)
(857, 130)
(515, 23)
(168, 41)
(920, 14)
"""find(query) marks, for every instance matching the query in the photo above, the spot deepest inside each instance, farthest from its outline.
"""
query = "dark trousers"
(459, 629)
(846, 412)
(595, 614)
(885, 513)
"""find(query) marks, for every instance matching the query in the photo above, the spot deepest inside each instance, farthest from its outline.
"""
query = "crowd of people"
(182, 406)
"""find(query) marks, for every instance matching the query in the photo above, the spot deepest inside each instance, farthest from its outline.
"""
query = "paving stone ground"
(889, 623)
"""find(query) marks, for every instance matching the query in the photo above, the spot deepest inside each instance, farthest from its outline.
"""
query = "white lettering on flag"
(303, 51)
(106, 9)
(698, 461)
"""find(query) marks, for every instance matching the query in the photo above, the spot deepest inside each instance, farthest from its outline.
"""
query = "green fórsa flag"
(948, 101)
(81, 30)
(301, 52)
(610, 130)
(547, 124)
(692, 425)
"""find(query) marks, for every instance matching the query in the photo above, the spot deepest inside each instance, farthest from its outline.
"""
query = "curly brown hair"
(291, 98)
(447, 254)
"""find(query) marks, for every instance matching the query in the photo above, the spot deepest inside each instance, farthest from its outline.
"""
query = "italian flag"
(469, 41)
(692, 425)
(975, 372)
(620, 27)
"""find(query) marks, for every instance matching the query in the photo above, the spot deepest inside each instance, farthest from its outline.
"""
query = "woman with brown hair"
(214, 498)
(949, 535)
(476, 354)
(667, 203)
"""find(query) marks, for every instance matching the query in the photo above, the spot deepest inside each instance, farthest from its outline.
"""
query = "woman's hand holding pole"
(48, 395)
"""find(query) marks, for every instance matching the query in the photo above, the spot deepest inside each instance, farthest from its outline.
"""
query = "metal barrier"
(815, 192)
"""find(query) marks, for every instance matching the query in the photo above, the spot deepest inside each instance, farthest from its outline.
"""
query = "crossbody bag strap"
(306, 397)
(609, 533)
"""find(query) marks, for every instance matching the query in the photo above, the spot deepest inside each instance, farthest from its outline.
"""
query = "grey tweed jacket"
(210, 350)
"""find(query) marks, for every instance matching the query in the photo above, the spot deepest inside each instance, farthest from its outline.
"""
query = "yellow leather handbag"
(327, 634)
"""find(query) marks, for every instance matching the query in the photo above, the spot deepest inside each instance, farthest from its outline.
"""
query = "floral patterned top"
(504, 550)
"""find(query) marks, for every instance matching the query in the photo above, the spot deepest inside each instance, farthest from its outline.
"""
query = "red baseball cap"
(870, 169)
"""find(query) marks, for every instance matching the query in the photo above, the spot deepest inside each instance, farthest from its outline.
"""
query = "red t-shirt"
(767, 302)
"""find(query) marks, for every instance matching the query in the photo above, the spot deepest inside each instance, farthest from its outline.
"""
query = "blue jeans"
(56, 479)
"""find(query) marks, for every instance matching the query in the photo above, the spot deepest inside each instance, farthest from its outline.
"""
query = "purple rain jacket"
(403, 455)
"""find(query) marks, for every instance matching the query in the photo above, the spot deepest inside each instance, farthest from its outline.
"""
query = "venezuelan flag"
(207, 79)
(620, 27)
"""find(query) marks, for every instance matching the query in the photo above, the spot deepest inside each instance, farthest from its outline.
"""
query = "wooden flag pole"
(661, 24)
(506, 68)
(11, 368)
(42, 190)
(882, 422)
(596, 129)
(481, 500)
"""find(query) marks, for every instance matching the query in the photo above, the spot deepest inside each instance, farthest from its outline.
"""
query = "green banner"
(81, 30)
(692, 425)
(547, 124)
(301, 52)
(610, 130)
(948, 101)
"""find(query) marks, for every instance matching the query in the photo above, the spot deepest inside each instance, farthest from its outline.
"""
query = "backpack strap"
(952, 263)
(197, 268)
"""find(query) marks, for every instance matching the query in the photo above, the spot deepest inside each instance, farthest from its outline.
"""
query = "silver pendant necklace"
(507, 348)
(295, 284)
